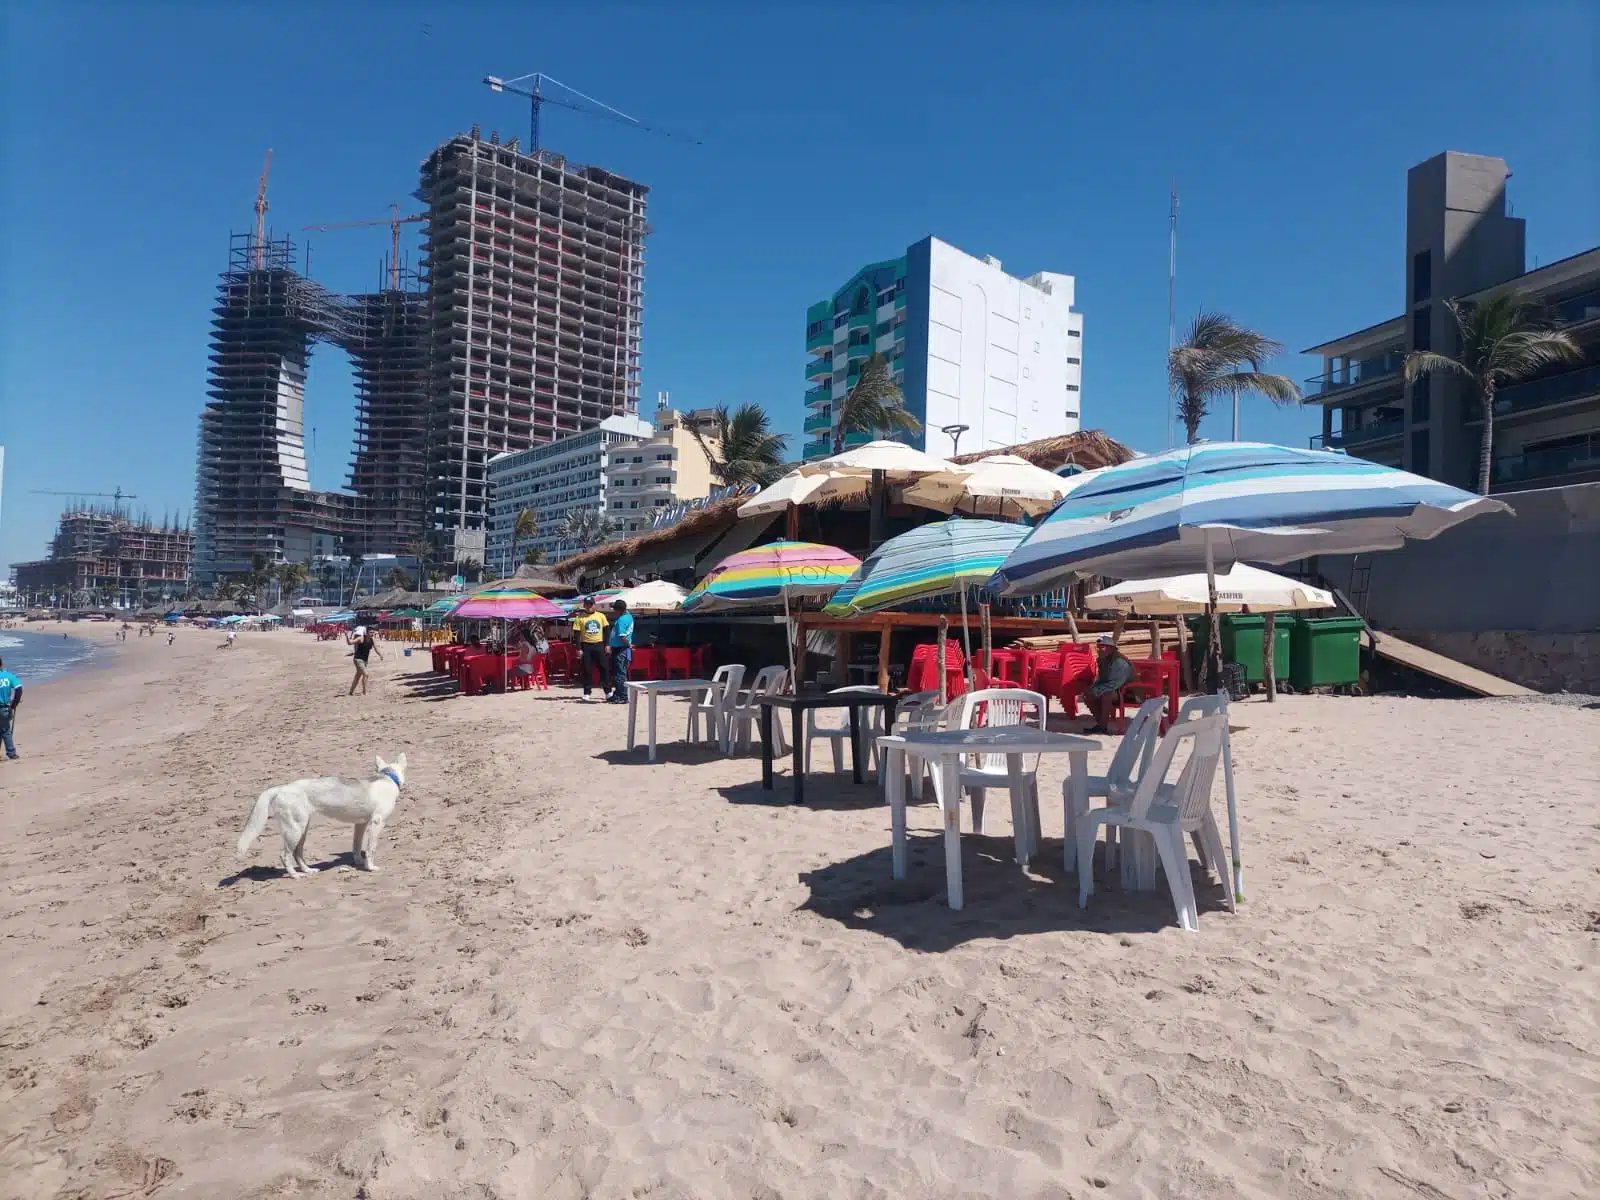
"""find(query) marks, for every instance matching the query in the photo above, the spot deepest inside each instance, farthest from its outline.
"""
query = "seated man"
(1115, 673)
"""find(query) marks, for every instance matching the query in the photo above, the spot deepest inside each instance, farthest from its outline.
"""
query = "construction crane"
(537, 98)
(394, 221)
(117, 497)
(261, 213)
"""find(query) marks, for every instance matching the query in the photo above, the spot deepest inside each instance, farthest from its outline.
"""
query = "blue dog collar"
(395, 778)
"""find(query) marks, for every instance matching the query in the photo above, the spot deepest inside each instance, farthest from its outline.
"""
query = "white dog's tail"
(257, 821)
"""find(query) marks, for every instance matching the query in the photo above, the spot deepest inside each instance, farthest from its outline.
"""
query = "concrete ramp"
(1386, 645)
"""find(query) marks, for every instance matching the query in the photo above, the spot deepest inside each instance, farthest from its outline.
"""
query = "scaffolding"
(535, 272)
(100, 553)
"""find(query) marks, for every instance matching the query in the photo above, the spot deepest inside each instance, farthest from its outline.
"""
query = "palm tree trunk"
(1191, 427)
(1486, 447)
(877, 510)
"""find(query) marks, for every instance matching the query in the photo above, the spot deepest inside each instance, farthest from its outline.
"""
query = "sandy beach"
(579, 975)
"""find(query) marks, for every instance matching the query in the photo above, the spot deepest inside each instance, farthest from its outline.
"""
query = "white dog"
(364, 804)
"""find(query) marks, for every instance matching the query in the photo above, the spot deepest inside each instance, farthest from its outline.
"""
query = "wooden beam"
(884, 631)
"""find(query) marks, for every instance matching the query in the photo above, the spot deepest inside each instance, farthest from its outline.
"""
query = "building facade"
(535, 282)
(991, 358)
(1462, 243)
(100, 556)
(553, 480)
(671, 466)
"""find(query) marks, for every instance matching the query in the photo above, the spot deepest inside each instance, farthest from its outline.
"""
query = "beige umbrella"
(898, 461)
(1000, 485)
(793, 488)
(656, 596)
(1240, 587)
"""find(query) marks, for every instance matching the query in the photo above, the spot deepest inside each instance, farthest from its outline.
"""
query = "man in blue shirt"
(10, 699)
(621, 650)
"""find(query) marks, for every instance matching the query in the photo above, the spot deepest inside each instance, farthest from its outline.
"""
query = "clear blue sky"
(1045, 134)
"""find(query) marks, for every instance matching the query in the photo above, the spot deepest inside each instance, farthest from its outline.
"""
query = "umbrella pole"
(966, 638)
(988, 640)
(944, 625)
(1214, 646)
(788, 637)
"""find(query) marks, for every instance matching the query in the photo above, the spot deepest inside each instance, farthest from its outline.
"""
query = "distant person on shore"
(171, 637)
(621, 650)
(1114, 674)
(364, 644)
(10, 701)
(589, 628)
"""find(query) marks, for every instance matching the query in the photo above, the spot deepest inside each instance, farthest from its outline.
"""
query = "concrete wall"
(1537, 572)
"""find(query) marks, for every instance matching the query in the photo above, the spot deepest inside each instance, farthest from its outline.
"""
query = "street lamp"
(954, 432)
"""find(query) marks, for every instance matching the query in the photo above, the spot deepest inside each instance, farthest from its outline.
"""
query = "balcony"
(1581, 454)
(1356, 374)
(814, 450)
(1580, 310)
(819, 395)
(1582, 384)
(819, 422)
(858, 438)
(860, 320)
(821, 340)
(1364, 435)
(819, 368)
(864, 350)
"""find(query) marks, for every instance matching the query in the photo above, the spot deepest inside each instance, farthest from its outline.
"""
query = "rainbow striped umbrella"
(506, 604)
(767, 574)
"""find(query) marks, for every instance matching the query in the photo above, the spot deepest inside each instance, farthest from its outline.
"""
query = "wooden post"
(791, 523)
(1116, 629)
(988, 640)
(799, 655)
(1184, 673)
(944, 625)
(1155, 640)
(884, 630)
(1268, 666)
(1072, 625)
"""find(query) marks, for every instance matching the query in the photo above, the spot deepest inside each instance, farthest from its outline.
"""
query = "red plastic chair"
(1068, 677)
(1156, 677)
(647, 664)
(924, 673)
(676, 662)
(1010, 668)
(700, 662)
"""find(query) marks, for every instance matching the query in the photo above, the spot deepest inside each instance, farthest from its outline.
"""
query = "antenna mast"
(1172, 298)
(261, 213)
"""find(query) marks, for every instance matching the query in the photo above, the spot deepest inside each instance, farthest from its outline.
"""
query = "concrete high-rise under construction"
(524, 326)
(535, 278)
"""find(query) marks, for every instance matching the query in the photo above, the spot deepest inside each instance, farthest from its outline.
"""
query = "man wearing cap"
(589, 628)
(621, 650)
(1103, 695)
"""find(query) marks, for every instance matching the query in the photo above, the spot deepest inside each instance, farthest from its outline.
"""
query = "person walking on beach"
(171, 637)
(364, 644)
(10, 701)
(621, 650)
(589, 627)
(1114, 674)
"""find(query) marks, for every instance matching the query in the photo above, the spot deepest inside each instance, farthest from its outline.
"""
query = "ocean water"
(34, 657)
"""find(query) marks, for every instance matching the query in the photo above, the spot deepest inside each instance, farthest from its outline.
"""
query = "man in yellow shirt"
(589, 630)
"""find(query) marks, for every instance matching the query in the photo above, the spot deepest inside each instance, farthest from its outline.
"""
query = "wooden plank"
(1440, 667)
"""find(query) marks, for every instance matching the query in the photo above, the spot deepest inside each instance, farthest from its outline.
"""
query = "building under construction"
(523, 327)
(102, 555)
(534, 271)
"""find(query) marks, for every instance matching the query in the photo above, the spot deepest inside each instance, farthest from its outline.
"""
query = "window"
(1073, 413)
(1421, 338)
(1036, 347)
(1074, 361)
(1419, 452)
(1421, 276)
(1421, 400)
(1074, 333)
(1072, 387)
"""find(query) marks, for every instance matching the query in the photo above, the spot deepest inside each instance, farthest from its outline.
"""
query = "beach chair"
(1168, 811)
(992, 708)
(918, 712)
(712, 704)
(839, 735)
(746, 711)
(1119, 782)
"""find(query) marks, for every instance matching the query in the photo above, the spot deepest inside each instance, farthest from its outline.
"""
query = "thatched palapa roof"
(1089, 449)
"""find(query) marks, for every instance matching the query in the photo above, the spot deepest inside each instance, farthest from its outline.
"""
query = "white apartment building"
(552, 480)
(668, 468)
(971, 347)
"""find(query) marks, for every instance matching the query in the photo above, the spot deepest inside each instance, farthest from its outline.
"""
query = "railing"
(1538, 393)
(820, 448)
(1578, 310)
(818, 422)
(1583, 455)
(1376, 432)
(1356, 374)
(819, 395)
(817, 367)
(820, 340)
(864, 350)
(861, 320)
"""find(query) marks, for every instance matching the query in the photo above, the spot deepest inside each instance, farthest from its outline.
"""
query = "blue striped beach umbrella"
(1218, 504)
(937, 559)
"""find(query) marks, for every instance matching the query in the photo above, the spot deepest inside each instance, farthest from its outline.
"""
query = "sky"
(132, 137)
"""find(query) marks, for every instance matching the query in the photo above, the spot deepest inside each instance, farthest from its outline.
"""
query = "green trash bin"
(1243, 641)
(1325, 652)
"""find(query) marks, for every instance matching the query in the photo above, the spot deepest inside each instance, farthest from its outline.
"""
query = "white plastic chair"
(839, 736)
(995, 708)
(746, 711)
(1117, 785)
(918, 712)
(1166, 812)
(712, 704)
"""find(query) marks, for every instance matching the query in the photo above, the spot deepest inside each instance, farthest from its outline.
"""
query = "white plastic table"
(654, 688)
(947, 747)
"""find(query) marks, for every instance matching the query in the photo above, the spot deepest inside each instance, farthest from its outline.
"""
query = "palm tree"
(584, 528)
(746, 450)
(1219, 357)
(874, 405)
(1504, 340)
(469, 569)
(533, 557)
(525, 526)
(356, 561)
(398, 578)
(418, 548)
